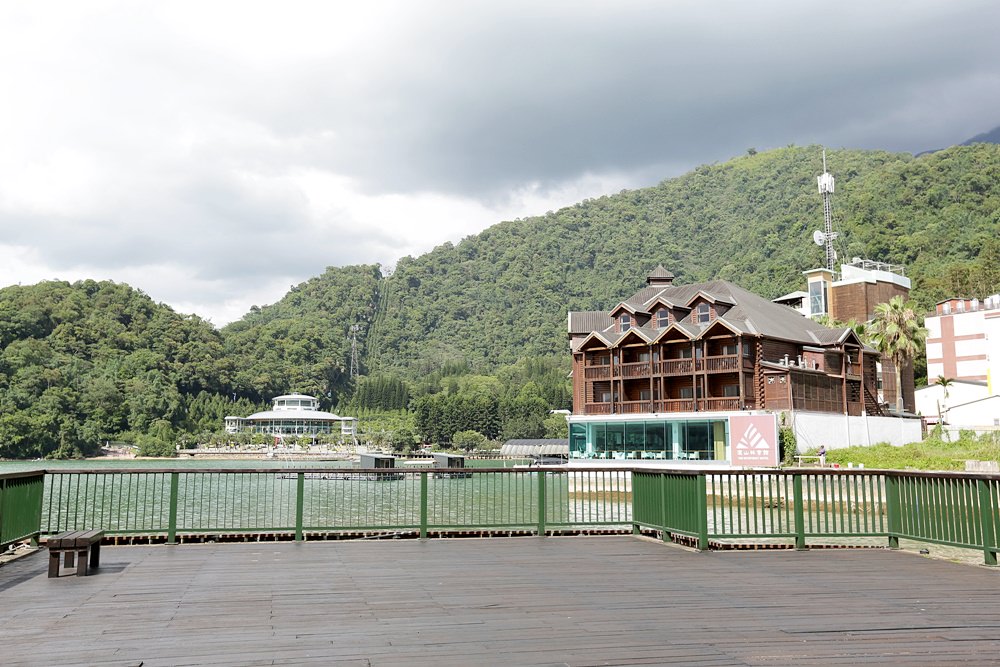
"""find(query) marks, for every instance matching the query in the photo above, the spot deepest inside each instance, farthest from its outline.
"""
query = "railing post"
(800, 512)
(423, 505)
(666, 536)
(172, 520)
(986, 522)
(893, 511)
(300, 497)
(701, 503)
(541, 503)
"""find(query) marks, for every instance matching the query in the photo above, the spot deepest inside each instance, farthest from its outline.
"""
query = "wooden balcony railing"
(720, 363)
(675, 405)
(710, 404)
(854, 370)
(597, 372)
(637, 369)
(635, 407)
(597, 409)
(675, 367)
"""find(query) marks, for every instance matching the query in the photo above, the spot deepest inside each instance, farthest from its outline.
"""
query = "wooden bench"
(82, 549)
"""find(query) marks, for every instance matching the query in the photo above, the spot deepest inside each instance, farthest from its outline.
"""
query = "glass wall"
(670, 439)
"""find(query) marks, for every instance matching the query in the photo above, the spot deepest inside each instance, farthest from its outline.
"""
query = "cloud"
(212, 154)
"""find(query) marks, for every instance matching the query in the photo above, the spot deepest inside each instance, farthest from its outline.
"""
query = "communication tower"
(826, 237)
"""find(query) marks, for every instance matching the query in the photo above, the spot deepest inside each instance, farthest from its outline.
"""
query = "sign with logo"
(754, 440)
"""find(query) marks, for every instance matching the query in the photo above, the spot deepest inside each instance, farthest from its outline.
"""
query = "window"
(731, 390)
(704, 313)
(730, 349)
(626, 323)
(662, 318)
(817, 297)
(746, 349)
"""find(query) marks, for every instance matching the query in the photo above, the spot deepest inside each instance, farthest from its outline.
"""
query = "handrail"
(708, 506)
(304, 501)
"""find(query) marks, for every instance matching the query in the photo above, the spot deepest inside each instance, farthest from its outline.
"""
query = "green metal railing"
(20, 506)
(312, 501)
(800, 506)
(709, 508)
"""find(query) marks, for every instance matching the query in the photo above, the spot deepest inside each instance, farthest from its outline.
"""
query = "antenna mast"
(826, 237)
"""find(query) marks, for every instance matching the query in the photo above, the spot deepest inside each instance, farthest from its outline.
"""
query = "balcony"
(635, 369)
(716, 404)
(723, 363)
(635, 407)
(675, 405)
(597, 409)
(675, 367)
(597, 372)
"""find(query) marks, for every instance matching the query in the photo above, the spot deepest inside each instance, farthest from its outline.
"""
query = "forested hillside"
(94, 361)
(504, 293)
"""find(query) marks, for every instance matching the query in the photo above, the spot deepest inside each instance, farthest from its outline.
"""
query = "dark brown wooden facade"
(714, 347)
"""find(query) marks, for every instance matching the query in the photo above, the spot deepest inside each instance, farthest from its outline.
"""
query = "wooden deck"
(514, 601)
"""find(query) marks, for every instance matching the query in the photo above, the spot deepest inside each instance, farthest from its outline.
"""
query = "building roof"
(536, 447)
(314, 415)
(749, 314)
(584, 322)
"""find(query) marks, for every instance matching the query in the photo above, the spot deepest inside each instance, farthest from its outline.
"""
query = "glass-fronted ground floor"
(702, 438)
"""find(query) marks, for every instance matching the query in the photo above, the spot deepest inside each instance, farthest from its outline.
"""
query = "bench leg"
(82, 561)
(95, 555)
(53, 564)
(70, 560)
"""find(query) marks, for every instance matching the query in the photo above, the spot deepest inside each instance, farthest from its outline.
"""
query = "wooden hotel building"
(660, 374)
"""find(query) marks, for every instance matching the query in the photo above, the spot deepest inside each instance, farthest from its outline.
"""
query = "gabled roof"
(604, 339)
(680, 329)
(750, 314)
(630, 307)
(719, 322)
(711, 298)
(646, 335)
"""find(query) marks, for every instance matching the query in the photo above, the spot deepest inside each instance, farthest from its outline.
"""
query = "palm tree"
(897, 334)
(945, 383)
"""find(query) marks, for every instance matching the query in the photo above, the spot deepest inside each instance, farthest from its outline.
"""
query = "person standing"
(822, 456)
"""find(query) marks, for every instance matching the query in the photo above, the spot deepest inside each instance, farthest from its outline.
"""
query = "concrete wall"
(836, 431)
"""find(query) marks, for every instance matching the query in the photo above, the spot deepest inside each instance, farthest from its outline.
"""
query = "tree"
(897, 334)
(945, 383)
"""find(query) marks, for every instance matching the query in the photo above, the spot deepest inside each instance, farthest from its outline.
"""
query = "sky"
(213, 154)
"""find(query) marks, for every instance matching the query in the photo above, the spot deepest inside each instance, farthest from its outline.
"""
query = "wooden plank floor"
(513, 601)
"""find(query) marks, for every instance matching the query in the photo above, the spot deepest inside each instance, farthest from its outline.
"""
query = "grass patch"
(931, 454)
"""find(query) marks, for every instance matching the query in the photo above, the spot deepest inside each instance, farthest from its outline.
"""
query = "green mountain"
(92, 361)
(503, 294)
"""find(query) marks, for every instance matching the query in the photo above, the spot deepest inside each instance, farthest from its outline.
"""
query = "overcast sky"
(213, 154)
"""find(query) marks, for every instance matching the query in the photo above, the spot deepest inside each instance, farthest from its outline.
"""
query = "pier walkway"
(504, 601)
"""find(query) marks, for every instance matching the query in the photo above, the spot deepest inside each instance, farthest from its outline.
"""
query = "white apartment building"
(963, 341)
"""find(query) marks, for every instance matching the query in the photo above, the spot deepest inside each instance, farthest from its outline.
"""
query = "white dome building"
(293, 414)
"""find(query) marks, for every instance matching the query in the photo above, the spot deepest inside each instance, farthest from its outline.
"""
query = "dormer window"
(626, 322)
(662, 318)
(704, 313)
